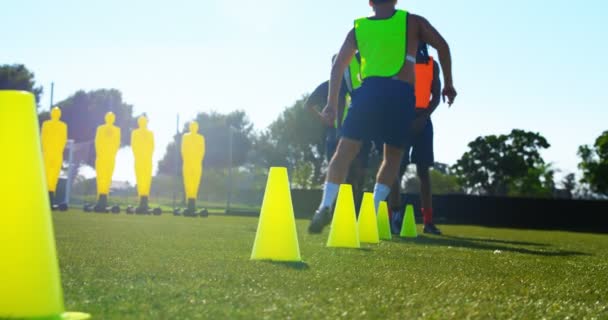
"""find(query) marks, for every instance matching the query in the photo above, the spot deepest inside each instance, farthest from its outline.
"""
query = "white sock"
(381, 191)
(330, 192)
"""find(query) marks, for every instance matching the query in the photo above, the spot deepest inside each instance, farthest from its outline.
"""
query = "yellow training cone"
(408, 229)
(384, 227)
(344, 232)
(367, 223)
(277, 238)
(30, 287)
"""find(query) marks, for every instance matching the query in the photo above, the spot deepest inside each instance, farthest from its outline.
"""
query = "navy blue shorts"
(382, 110)
(420, 150)
(331, 143)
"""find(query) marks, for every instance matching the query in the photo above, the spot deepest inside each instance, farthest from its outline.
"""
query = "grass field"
(145, 267)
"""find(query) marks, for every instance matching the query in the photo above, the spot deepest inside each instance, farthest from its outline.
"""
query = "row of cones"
(30, 279)
(277, 239)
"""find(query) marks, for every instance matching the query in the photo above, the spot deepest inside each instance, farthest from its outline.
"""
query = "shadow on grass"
(490, 240)
(478, 244)
(291, 265)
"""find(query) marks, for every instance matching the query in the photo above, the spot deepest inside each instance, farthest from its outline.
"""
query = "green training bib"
(382, 44)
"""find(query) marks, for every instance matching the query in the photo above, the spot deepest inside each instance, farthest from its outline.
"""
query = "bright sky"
(534, 65)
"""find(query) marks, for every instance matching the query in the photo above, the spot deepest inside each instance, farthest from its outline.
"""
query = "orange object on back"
(424, 82)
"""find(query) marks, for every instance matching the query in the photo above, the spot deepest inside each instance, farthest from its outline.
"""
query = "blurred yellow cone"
(367, 223)
(30, 286)
(276, 238)
(384, 227)
(344, 232)
(408, 229)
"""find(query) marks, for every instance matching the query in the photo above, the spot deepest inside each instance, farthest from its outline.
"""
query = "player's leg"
(387, 174)
(354, 130)
(426, 198)
(398, 112)
(336, 174)
(424, 158)
(358, 170)
(394, 200)
(331, 143)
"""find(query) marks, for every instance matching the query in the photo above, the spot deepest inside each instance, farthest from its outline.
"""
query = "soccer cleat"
(321, 218)
(430, 228)
(396, 222)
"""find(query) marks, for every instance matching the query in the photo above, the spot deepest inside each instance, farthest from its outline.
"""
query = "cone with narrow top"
(276, 238)
(408, 228)
(367, 223)
(344, 232)
(384, 227)
(29, 276)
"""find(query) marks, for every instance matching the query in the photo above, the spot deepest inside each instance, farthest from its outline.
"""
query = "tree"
(569, 185)
(441, 183)
(294, 140)
(594, 164)
(506, 165)
(218, 130)
(85, 111)
(18, 77)
(301, 176)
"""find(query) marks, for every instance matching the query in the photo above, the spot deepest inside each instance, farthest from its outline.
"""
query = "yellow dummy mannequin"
(107, 143)
(193, 153)
(142, 143)
(54, 136)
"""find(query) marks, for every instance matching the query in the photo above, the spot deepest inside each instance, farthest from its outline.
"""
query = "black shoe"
(321, 218)
(430, 228)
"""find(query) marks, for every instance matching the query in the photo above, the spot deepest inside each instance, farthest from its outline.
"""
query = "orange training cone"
(368, 226)
(30, 286)
(276, 238)
(344, 232)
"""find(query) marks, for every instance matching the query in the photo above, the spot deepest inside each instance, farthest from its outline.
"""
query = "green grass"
(145, 267)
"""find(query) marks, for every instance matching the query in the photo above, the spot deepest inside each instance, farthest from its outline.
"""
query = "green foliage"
(18, 77)
(538, 182)
(301, 176)
(441, 183)
(594, 164)
(294, 139)
(141, 267)
(84, 111)
(216, 128)
(506, 165)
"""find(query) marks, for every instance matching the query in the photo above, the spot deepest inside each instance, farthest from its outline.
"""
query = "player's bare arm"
(312, 108)
(427, 33)
(346, 54)
(435, 89)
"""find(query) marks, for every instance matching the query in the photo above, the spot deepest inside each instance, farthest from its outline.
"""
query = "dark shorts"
(420, 150)
(382, 110)
(331, 143)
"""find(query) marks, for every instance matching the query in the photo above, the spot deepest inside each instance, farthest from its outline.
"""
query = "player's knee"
(345, 154)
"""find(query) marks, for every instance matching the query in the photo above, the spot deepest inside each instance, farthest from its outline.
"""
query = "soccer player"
(318, 100)
(383, 107)
(420, 150)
